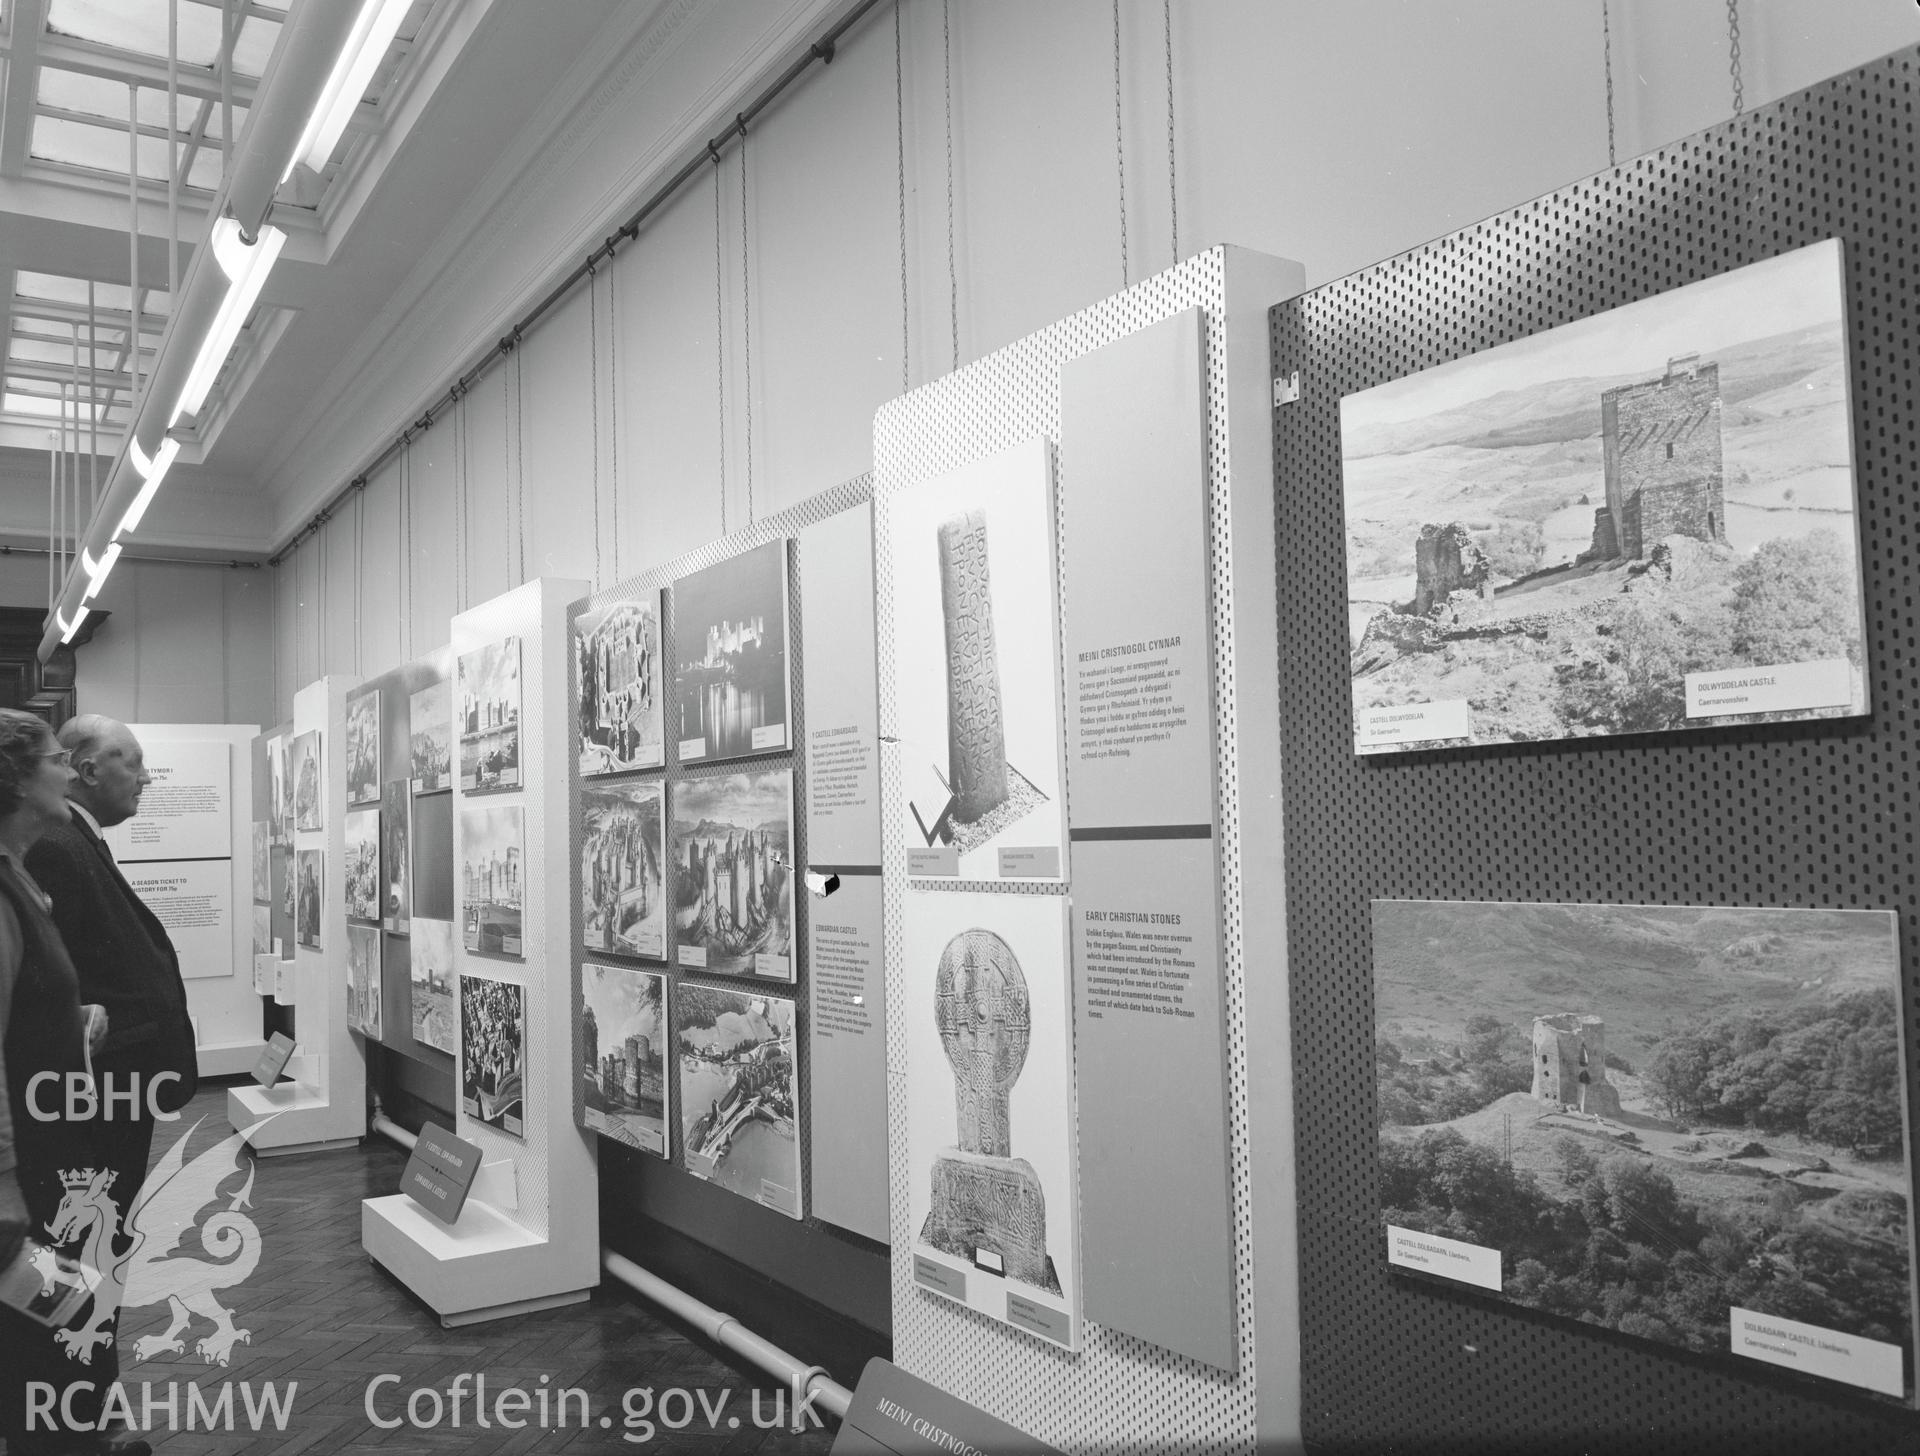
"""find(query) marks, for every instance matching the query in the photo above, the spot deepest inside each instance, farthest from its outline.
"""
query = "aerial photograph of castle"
(1562, 536)
(1656, 1114)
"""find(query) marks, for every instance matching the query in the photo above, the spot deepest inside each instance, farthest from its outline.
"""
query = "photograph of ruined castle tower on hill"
(1634, 523)
(1656, 1115)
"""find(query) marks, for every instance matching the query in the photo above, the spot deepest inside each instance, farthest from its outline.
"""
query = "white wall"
(1334, 134)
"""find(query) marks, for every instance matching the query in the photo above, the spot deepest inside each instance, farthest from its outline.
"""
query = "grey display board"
(1148, 1010)
(847, 995)
(1804, 814)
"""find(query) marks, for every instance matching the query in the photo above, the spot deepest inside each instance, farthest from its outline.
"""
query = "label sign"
(1853, 1359)
(273, 1059)
(1784, 689)
(1449, 1258)
(1415, 723)
(939, 1278)
(440, 1173)
(892, 1412)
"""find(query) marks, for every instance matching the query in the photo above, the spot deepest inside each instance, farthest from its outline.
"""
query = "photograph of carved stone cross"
(976, 669)
(988, 1206)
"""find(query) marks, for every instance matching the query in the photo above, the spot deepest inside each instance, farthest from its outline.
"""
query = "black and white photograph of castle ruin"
(1560, 532)
(1657, 1114)
(732, 859)
(624, 1088)
(730, 655)
(617, 652)
(489, 717)
(623, 891)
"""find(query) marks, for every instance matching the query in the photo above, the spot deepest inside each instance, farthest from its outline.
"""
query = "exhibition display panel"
(1646, 993)
(987, 1048)
(528, 1235)
(323, 1102)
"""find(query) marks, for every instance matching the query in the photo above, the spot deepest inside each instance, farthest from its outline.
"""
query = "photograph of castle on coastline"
(623, 1045)
(1658, 1116)
(739, 1097)
(730, 647)
(1637, 522)
(732, 858)
(617, 649)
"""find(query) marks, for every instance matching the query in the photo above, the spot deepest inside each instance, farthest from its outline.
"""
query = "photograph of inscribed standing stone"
(623, 893)
(489, 699)
(989, 1107)
(309, 882)
(492, 861)
(1639, 522)
(396, 857)
(362, 861)
(363, 980)
(363, 749)
(431, 974)
(732, 858)
(1675, 1122)
(739, 1099)
(280, 789)
(617, 648)
(309, 786)
(730, 644)
(493, 1055)
(262, 860)
(623, 1055)
(976, 669)
(430, 723)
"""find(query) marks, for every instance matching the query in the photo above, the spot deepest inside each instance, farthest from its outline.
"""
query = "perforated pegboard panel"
(783, 525)
(1811, 814)
(1118, 1393)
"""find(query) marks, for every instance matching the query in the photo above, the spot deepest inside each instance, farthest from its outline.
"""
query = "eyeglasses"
(61, 756)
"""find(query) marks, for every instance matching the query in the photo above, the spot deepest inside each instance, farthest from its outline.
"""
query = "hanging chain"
(953, 277)
(719, 329)
(900, 150)
(593, 390)
(746, 316)
(1606, 52)
(359, 575)
(459, 497)
(1119, 151)
(1173, 183)
(1733, 56)
(613, 402)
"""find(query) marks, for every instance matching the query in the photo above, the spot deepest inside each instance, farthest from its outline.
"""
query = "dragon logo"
(144, 1264)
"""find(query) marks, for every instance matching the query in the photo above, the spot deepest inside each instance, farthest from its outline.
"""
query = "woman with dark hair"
(43, 1028)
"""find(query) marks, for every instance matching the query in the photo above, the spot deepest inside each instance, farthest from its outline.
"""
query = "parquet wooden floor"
(323, 1316)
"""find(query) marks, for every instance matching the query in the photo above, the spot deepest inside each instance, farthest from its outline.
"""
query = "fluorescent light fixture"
(246, 269)
(97, 570)
(152, 472)
(67, 629)
(373, 31)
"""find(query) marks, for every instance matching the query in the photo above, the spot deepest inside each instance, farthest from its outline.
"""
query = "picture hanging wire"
(1173, 181)
(1733, 57)
(953, 277)
(1606, 56)
(1119, 149)
(719, 335)
(520, 462)
(746, 316)
(613, 399)
(593, 393)
(900, 159)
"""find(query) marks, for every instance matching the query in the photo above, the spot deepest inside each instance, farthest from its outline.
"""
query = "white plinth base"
(485, 1267)
(227, 1059)
(300, 1114)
